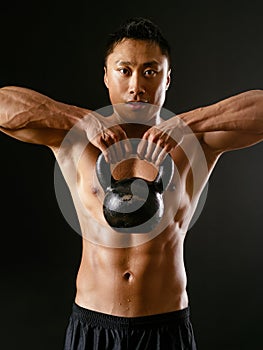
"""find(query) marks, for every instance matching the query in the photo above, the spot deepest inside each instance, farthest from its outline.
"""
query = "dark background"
(56, 48)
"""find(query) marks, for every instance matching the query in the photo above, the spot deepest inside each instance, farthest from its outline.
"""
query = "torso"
(128, 274)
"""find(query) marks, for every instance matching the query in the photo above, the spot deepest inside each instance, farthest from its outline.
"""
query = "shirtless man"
(131, 288)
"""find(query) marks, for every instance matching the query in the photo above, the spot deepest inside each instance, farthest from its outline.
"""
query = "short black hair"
(138, 28)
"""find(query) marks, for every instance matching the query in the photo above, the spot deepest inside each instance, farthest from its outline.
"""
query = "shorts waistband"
(108, 321)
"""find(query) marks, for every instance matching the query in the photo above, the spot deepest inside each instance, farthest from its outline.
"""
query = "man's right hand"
(106, 135)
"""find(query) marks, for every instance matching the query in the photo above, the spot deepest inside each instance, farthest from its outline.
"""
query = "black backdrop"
(56, 48)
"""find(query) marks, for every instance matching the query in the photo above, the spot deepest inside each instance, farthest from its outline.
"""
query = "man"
(131, 288)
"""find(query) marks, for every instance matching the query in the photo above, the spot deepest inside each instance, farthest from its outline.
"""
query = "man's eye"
(150, 72)
(124, 71)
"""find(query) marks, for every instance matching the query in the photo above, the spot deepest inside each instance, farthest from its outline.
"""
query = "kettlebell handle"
(161, 182)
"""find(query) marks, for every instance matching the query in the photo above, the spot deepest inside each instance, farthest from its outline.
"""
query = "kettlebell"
(133, 205)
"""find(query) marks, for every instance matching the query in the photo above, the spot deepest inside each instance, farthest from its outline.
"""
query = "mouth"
(137, 105)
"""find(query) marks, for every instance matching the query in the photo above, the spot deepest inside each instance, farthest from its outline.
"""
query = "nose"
(136, 87)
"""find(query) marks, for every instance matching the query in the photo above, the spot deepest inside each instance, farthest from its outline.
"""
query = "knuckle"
(152, 137)
(147, 133)
(114, 137)
(122, 133)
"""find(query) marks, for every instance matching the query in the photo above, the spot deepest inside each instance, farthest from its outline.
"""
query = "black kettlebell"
(133, 205)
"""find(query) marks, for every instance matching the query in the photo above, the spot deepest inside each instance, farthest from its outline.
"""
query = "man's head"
(138, 29)
(137, 65)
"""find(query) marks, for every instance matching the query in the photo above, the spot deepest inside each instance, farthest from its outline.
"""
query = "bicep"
(47, 137)
(222, 141)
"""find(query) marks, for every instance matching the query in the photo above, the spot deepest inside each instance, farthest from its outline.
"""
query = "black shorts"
(89, 329)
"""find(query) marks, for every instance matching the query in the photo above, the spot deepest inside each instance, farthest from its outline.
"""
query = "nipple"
(94, 190)
(172, 187)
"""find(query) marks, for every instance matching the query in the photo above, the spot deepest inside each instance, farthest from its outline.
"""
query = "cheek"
(115, 93)
(159, 93)
(115, 86)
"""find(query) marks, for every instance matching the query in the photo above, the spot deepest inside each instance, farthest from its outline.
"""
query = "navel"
(127, 276)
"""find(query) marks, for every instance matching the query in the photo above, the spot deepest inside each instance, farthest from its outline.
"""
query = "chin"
(139, 113)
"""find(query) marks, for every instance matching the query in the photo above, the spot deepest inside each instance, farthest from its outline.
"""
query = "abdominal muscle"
(123, 274)
(136, 281)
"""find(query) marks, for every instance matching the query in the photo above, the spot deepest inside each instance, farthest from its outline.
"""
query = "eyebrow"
(146, 64)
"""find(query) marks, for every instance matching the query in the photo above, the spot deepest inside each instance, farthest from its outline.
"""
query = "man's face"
(136, 73)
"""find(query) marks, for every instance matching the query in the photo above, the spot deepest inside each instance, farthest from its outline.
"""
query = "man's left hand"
(160, 140)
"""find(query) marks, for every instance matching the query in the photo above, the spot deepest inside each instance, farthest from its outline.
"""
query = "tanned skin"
(144, 277)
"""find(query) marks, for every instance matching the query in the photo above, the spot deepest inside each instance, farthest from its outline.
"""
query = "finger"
(111, 141)
(101, 143)
(161, 157)
(142, 147)
(117, 133)
(158, 149)
(105, 150)
(149, 151)
(127, 147)
(123, 147)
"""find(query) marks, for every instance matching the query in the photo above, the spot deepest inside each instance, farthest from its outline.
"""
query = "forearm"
(243, 112)
(25, 108)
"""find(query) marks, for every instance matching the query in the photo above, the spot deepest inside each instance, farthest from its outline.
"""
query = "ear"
(105, 77)
(168, 81)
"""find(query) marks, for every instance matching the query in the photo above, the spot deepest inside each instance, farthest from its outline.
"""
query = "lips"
(136, 105)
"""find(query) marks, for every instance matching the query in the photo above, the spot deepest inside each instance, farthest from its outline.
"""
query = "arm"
(233, 123)
(32, 117)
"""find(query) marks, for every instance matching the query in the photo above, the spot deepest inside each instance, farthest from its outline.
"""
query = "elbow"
(259, 110)
(7, 87)
(8, 114)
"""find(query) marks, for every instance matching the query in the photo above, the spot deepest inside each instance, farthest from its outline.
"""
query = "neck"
(154, 120)
(135, 130)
